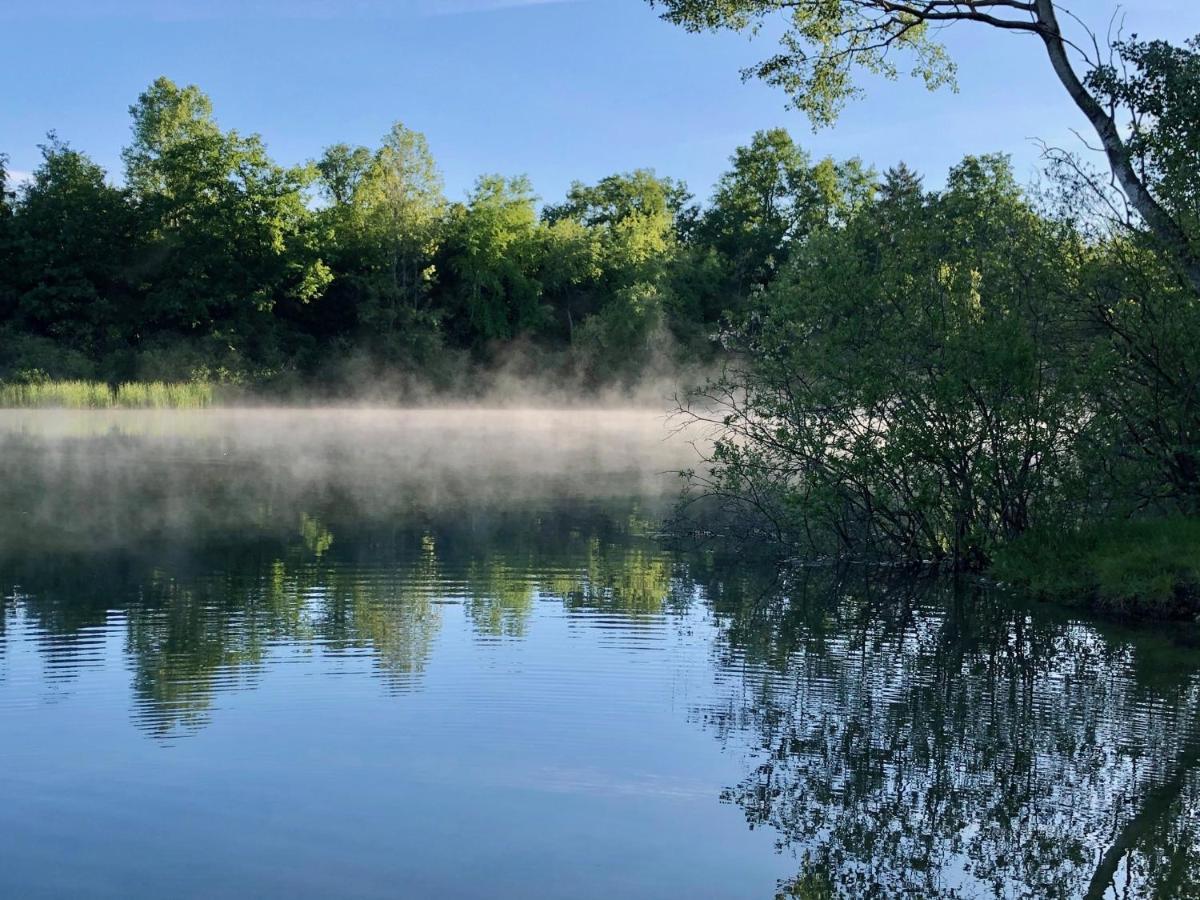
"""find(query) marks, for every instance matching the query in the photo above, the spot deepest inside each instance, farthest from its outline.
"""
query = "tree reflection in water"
(909, 739)
(201, 619)
(900, 738)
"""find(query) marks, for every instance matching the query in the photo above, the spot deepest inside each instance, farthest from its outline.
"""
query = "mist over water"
(445, 652)
(117, 476)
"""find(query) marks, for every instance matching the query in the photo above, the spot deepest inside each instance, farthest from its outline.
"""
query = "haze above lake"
(365, 653)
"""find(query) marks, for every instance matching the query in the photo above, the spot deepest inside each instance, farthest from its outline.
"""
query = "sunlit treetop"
(824, 41)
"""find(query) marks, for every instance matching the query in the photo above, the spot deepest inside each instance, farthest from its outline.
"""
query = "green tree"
(70, 239)
(492, 250)
(620, 198)
(633, 220)
(766, 200)
(225, 227)
(772, 198)
(1158, 85)
(904, 388)
(401, 194)
(384, 226)
(569, 270)
(340, 170)
(1144, 443)
(824, 41)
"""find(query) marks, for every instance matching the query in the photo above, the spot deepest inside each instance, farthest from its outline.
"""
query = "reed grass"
(100, 395)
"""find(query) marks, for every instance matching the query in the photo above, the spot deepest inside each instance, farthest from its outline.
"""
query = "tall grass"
(100, 395)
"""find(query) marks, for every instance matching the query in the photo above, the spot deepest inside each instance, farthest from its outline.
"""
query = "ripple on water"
(248, 671)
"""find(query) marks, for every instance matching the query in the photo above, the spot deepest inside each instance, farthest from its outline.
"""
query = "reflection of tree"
(955, 746)
(188, 640)
(500, 596)
(8, 604)
(201, 619)
(392, 613)
(617, 577)
(589, 559)
(902, 742)
(620, 578)
(1155, 824)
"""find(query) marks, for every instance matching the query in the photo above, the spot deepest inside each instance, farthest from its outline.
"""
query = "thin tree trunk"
(1156, 805)
(1165, 228)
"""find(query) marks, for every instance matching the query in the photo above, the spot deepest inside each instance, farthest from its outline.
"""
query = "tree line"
(210, 260)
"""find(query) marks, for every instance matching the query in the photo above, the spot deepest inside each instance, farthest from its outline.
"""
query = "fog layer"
(88, 479)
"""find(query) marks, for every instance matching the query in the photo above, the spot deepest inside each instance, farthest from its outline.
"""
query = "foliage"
(220, 223)
(1159, 85)
(492, 249)
(70, 247)
(904, 389)
(1147, 568)
(821, 42)
(931, 376)
(43, 393)
(1143, 372)
(213, 262)
(771, 200)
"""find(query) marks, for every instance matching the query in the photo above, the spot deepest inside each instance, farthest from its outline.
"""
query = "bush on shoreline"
(1135, 568)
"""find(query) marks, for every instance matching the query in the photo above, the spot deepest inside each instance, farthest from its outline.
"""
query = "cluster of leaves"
(936, 373)
(905, 387)
(212, 261)
(942, 373)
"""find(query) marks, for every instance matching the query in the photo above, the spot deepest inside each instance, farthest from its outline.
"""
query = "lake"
(366, 653)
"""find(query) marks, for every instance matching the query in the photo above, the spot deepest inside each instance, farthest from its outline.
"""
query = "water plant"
(43, 394)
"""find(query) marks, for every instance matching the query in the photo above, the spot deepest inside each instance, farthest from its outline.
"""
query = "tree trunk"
(1159, 221)
(1155, 806)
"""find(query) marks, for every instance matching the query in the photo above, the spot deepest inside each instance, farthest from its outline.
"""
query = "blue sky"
(555, 89)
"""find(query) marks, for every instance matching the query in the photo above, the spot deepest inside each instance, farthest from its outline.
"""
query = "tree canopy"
(209, 259)
(825, 41)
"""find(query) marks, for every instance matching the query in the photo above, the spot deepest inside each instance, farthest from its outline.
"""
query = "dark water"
(430, 655)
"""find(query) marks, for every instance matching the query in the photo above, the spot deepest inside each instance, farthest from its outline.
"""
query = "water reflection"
(926, 740)
(893, 739)
(200, 620)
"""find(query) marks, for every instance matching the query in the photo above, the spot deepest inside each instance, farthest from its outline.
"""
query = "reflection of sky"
(558, 765)
(557, 90)
(338, 719)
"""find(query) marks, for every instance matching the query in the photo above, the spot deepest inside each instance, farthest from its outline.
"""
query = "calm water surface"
(367, 654)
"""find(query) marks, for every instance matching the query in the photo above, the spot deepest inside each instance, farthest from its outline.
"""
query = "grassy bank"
(101, 395)
(1142, 569)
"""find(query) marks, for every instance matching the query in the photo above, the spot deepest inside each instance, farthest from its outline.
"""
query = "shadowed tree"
(70, 242)
(340, 170)
(772, 198)
(900, 388)
(931, 743)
